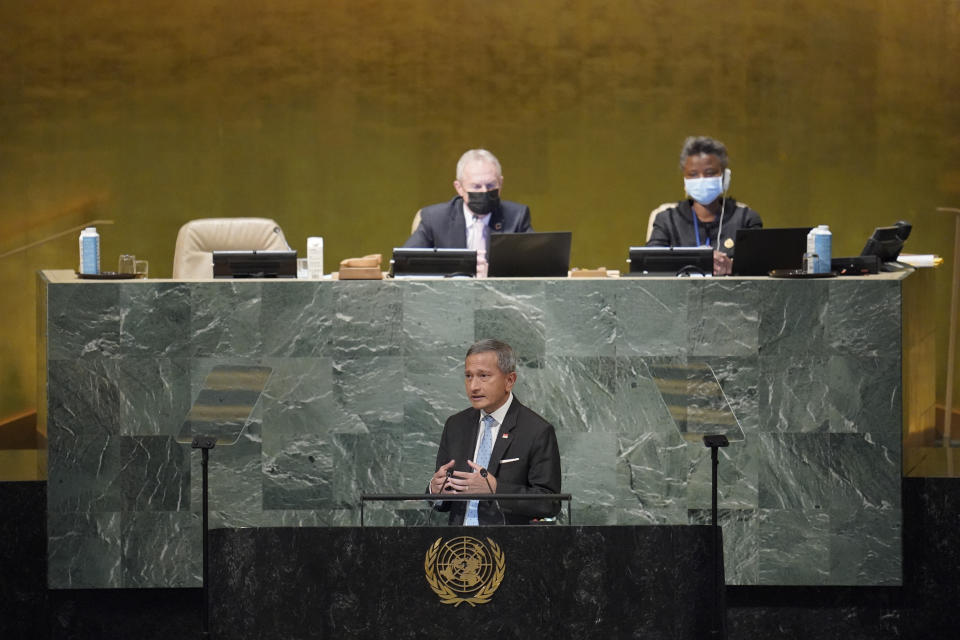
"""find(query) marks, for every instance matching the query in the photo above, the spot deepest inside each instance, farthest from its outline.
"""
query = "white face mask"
(704, 190)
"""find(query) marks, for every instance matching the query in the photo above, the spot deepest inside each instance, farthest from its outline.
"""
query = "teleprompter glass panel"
(224, 405)
(695, 400)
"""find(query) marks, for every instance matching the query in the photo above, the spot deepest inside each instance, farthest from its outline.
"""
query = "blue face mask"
(704, 190)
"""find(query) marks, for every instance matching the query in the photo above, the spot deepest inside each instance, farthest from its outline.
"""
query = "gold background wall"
(341, 117)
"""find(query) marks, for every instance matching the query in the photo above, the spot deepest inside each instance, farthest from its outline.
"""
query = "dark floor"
(927, 607)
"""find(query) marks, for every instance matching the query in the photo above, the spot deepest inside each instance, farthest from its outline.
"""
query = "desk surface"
(59, 276)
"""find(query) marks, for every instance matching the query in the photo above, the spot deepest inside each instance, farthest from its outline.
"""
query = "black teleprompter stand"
(205, 443)
(719, 618)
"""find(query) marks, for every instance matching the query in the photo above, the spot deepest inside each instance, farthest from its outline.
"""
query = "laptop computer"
(540, 254)
(759, 251)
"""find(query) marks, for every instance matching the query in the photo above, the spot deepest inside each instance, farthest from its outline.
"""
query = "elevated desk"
(363, 375)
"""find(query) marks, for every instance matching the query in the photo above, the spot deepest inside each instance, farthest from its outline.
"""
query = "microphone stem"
(484, 473)
(445, 481)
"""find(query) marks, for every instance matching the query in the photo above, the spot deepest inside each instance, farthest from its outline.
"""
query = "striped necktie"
(483, 459)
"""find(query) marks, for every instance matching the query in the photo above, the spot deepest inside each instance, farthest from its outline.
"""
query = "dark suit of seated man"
(522, 447)
(467, 221)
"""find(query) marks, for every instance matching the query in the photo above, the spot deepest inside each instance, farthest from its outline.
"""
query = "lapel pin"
(498, 226)
(505, 436)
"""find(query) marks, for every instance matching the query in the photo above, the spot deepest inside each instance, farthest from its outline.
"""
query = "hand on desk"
(722, 264)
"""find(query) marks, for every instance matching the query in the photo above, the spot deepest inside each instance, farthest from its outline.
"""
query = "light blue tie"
(483, 459)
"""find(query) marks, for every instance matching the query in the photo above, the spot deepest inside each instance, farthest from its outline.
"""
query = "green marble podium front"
(363, 374)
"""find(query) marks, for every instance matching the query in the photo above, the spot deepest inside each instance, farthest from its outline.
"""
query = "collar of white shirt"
(499, 416)
(500, 413)
(468, 217)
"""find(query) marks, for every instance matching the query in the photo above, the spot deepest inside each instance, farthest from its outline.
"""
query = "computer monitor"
(433, 263)
(255, 264)
(887, 242)
(671, 261)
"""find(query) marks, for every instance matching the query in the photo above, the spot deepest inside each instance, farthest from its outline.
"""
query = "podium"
(390, 582)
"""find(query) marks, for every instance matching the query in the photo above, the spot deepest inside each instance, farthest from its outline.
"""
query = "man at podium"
(497, 446)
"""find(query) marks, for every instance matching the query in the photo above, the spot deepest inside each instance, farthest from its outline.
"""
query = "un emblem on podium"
(464, 570)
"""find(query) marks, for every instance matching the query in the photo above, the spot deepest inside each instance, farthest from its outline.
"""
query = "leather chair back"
(198, 239)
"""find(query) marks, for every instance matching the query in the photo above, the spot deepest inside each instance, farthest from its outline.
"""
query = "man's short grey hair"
(506, 360)
(477, 154)
(697, 145)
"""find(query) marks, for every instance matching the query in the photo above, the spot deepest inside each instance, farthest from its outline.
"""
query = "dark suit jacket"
(442, 225)
(524, 435)
(674, 227)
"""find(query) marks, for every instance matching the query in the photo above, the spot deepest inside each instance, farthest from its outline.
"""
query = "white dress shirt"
(471, 219)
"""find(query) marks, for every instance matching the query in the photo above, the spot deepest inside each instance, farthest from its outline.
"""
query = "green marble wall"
(365, 373)
(340, 118)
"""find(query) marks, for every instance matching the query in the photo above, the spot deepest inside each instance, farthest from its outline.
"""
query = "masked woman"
(708, 217)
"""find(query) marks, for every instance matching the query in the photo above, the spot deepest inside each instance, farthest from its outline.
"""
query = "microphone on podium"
(496, 503)
(445, 481)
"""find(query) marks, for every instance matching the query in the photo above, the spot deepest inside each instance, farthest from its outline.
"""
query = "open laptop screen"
(538, 254)
(759, 251)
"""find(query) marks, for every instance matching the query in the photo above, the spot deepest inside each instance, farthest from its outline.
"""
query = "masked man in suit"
(467, 221)
(497, 446)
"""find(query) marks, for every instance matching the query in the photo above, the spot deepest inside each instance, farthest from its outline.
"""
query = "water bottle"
(89, 251)
(315, 257)
(818, 243)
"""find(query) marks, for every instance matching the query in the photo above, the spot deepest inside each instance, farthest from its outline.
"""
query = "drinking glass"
(126, 263)
(303, 270)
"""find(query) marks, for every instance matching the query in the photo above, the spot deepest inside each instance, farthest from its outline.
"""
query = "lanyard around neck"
(696, 226)
(696, 229)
